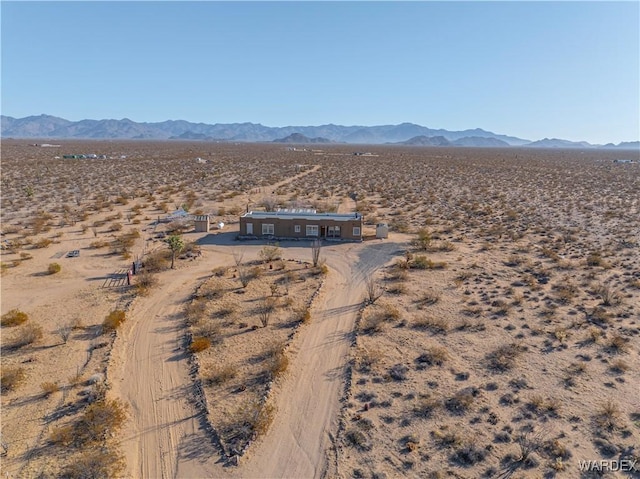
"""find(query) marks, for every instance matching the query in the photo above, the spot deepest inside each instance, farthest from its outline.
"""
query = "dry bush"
(265, 310)
(195, 311)
(27, 335)
(113, 320)
(221, 375)
(608, 296)
(10, 378)
(270, 253)
(15, 317)
(199, 344)
(608, 416)
(434, 356)
(277, 362)
(366, 360)
(504, 357)
(145, 281)
(357, 439)
(426, 407)
(54, 268)
(461, 402)
(48, 388)
(422, 262)
(437, 325)
(447, 439)
(157, 261)
(617, 344)
(99, 419)
(220, 271)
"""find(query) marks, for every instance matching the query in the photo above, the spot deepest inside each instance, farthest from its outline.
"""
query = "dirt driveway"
(149, 370)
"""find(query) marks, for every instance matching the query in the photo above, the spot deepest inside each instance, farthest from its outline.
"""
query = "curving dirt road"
(150, 371)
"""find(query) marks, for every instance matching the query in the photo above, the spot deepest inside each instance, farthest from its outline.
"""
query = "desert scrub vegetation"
(11, 377)
(54, 268)
(113, 320)
(248, 327)
(15, 317)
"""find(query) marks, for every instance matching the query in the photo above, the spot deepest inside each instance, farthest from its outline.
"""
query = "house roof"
(302, 215)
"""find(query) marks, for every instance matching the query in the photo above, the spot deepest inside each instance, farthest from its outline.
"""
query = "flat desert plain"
(494, 334)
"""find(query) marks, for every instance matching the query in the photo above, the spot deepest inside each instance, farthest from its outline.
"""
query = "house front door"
(323, 231)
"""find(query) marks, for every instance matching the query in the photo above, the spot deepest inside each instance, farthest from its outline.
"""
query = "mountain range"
(47, 126)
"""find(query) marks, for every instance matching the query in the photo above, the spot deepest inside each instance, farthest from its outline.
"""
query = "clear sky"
(530, 69)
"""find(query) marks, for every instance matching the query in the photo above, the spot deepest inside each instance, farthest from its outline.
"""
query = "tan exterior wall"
(286, 228)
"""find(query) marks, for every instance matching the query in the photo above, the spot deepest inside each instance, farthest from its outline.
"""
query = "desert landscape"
(495, 333)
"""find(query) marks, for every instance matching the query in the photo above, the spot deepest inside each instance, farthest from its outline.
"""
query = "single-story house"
(301, 224)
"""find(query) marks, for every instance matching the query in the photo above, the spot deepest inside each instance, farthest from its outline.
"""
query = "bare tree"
(238, 256)
(374, 290)
(269, 203)
(316, 246)
(265, 310)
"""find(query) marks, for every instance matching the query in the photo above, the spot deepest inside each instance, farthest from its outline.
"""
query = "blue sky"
(530, 69)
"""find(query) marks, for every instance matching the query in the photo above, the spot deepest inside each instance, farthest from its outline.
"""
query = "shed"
(382, 230)
(202, 223)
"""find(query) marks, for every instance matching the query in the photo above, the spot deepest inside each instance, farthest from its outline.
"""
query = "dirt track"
(151, 372)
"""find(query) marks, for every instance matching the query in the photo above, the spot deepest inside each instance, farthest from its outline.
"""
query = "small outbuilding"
(382, 230)
(202, 223)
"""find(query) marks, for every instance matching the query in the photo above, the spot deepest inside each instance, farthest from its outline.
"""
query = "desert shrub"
(504, 357)
(15, 317)
(270, 253)
(29, 334)
(199, 344)
(42, 243)
(195, 311)
(426, 406)
(357, 439)
(608, 296)
(54, 268)
(462, 401)
(468, 455)
(157, 261)
(113, 320)
(10, 378)
(617, 344)
(434, 356)
(209, 330)
(422, 262)
(436, 325)
(446, 440)
(99, 419)
(48, 388)
(278, 362)
(221, 375)
(220, 271)
(144, 282)
(608, 416)
(98, 463)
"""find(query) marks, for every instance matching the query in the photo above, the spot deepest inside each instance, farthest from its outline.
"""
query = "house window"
(312, 230)
(267, 229)
(334, 232)
(356, 231)
(249, 228)
(296, 228)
